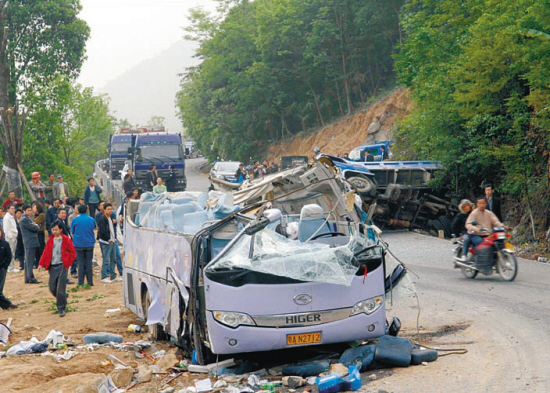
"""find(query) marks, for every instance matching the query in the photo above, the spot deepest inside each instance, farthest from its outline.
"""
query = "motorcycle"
(493, 255)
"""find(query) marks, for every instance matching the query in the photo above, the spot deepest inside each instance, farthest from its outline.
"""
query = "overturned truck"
(288, 261)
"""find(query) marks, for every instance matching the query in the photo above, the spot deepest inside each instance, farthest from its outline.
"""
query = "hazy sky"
(125, 32)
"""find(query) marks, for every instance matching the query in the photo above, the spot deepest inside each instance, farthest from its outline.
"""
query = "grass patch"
(80, 288)
(33, 301)
(78, 296)
(95, 297)
(69, 308)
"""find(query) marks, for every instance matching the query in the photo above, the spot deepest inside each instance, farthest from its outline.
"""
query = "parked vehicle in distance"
(248, 276)
(293, 161)
(361, 153)
(225, 170)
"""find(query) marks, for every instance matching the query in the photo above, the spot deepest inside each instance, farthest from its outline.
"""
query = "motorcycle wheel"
(468, 273)
(507, 265)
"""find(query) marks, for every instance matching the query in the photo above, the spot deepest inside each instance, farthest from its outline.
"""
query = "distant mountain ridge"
(149, 88)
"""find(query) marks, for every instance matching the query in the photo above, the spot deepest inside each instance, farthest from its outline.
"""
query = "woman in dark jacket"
(458, 225)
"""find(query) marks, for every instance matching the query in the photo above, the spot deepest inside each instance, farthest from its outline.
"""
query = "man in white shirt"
(10, 233)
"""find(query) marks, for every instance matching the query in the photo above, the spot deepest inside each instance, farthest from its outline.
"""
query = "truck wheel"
(363, 184)
(156, 330)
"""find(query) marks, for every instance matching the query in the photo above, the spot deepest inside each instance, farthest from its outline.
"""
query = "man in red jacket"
(57, 258)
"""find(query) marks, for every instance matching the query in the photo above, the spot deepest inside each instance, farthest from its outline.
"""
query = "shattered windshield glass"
(277, 255)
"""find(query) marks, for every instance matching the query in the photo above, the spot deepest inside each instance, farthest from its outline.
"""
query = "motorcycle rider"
(458, 225)
(485, 219)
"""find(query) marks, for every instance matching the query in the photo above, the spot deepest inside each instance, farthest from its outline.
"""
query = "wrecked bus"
(286, 263)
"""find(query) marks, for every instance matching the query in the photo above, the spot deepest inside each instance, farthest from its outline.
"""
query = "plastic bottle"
(331, 383)
(102, 338)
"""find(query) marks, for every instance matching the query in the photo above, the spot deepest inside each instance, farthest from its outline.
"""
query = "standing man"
(29, 232)
(60, 189)
(152, 177)
(10, 234)
(49, 187)
(37, 187)
(127, 184)
(240, 175)
(92, 196)
(5, 261)
(51, 214)
(82, 229)
(12, 200)
(171, 181)
(58, 256)
(159, 188)
(107, 237)
(493, 203)
(384, 153)
(131, 173)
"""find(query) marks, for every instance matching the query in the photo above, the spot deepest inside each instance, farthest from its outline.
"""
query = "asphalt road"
(503, 325)
(196, 181)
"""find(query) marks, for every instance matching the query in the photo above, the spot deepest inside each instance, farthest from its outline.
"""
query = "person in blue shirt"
(82, 229)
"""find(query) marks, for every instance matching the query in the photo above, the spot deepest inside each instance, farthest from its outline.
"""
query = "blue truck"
(370, 152)
(162, 149)
(118, 152)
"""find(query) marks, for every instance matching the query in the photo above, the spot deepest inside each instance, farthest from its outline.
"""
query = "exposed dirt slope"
(365, 126)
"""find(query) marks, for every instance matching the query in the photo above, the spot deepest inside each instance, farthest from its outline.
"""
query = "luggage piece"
(361, 356)
(418, 356)
(393, 351)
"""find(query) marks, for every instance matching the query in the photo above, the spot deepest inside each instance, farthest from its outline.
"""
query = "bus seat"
(274, 216)
(142, 211)
(312, 221)
(193, 222)
(222, 237)
(178, 215)
(166, 220)
(202, 200)
(182, 200)
(158, 217)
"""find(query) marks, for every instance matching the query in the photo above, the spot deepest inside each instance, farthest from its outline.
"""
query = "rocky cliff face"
(373, 123)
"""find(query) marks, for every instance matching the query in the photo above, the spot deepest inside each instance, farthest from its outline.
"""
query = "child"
(57, 258)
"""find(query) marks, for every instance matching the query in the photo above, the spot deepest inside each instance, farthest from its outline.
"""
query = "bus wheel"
(156, 330)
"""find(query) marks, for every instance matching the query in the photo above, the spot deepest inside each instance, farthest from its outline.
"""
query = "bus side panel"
(148, 256)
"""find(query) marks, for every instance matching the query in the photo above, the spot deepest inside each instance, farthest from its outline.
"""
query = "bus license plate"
(303, 339)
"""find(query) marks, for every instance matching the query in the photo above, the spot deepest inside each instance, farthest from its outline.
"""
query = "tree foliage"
(273, 68)
(67, 132)
(479, 74)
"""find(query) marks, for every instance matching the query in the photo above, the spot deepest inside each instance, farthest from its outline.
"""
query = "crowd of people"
(256, 170)
(58, 232)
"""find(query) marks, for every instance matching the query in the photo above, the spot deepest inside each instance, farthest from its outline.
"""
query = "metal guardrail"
(112, 191)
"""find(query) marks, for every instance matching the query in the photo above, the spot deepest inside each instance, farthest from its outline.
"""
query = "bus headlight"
(367, 306)
(233, 319)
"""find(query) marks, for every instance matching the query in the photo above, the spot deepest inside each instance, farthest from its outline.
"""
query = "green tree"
(40, 40)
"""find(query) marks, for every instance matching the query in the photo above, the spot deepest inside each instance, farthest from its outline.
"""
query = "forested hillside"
(273, 68)
(478, 72)
(479, 75)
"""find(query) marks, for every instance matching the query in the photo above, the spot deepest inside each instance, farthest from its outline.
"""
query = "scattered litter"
(134, 328)
(339, 369)
(108, 386)
(542, 259)
(112, 310)
(231, 389)
(159, 354)
(373, 377)
(168, 390)
(54, 338)
(5, 331)
(144, 374)
(191, 389)
(114, 359)
(295, 382)
(195, 368)
(204, 385)
(220, 384)
(102, 338)
(253, 380)
(246, 389)
(26, 347)
(333, 383)
(67, 355)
